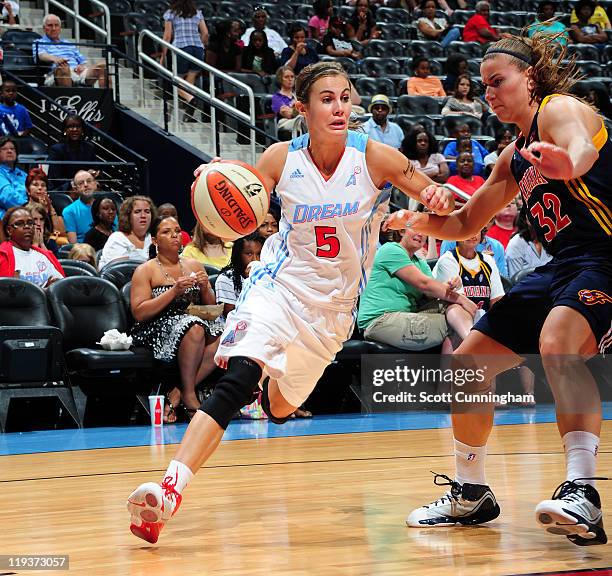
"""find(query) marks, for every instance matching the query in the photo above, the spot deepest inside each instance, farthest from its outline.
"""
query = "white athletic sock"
(181, 472)
(581, 455)
(470, 463)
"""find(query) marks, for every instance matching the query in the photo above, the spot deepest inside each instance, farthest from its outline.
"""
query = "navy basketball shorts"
(582, 282)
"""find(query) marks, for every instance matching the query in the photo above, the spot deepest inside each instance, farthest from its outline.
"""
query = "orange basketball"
(229, 199)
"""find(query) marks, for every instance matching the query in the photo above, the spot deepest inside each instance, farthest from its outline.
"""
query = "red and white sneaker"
(151, 505)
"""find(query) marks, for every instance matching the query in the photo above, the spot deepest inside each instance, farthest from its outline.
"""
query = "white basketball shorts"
(294, 340)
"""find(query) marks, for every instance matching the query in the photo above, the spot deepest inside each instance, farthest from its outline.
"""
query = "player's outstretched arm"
(498, 190)
(387, 164)
(565, 150)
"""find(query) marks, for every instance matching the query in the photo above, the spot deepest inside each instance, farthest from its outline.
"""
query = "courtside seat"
(354, 349)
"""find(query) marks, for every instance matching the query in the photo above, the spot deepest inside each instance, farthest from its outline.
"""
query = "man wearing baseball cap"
(378, 127)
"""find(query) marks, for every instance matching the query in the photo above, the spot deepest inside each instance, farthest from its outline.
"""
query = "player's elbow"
(587, 157)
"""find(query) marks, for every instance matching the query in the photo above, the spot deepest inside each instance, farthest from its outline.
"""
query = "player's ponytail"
(551, 71)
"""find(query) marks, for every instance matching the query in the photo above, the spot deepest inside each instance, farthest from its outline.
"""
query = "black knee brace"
(265, 404)
(233, 391)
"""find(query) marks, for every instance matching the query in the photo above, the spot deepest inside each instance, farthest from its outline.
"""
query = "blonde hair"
(83, 251)
(313, 72)
(203, 238)
(548, 74)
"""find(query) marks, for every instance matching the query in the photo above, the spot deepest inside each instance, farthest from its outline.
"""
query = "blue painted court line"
(93, 438)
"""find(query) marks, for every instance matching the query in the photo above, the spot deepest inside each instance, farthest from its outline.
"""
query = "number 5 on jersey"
(328, 245)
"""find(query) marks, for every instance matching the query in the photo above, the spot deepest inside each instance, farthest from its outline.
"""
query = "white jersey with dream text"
(328, 231)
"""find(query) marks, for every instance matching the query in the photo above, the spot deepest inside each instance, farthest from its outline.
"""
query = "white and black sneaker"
(574, 511)
(466, 505)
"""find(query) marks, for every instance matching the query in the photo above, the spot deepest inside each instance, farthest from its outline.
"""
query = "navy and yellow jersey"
(476, 283)
(567, 214)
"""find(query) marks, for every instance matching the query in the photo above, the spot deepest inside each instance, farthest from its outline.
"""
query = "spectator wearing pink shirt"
(319, 23)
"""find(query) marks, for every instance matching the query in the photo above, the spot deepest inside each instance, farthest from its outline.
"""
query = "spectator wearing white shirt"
(524, 249)
(132, 241)
(228, 285)
(275, 40)
(480, 279)
(378, 127)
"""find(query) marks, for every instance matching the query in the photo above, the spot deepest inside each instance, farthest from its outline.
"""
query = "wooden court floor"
(314, 505)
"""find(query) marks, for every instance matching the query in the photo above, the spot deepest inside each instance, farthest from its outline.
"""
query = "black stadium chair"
(119, 272)
(370, 86)
(467, 49)
(64, 250)
(450, 123)
(384, 49)
(407, 104)
(427, 48)
(60, 200)
(85, 308)
(78, 268)
(380, 67)
(30, 349)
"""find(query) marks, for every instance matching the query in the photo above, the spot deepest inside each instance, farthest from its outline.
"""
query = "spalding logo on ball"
(229, 199)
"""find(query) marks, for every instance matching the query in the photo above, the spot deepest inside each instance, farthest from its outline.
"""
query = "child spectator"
(258, 57)
(465, 179)
(422, 84)
(15, 118)
(83, 253)
(451, 151)
(319, 23)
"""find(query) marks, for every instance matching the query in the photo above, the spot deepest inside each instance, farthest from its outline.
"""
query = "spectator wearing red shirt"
(478, 29)
(505, 224)
(465, 179)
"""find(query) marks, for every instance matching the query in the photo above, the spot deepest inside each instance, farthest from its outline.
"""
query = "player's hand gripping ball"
(229, 199)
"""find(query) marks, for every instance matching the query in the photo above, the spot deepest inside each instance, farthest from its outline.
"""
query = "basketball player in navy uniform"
(299, 304)
(560, 164)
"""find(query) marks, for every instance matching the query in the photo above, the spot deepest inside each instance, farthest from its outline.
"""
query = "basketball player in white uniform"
(298, 305)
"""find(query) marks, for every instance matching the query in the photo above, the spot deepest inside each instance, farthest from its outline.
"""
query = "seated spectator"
(68, 65)
(546, 24)
(298, 54)
(168, 210)
(12, 179)
(258, 57)
(10, 13)
(465, 179)
(208, 248)
(336, 43)
(19, 258)
(36, 188)
(77, 216)
(486, 246)
(422, 84)
(162, 289)
(503, 138)
(480, 280)
(133, 240)
(283, 103)
(185, 27)
(421, 148)
(432, 27)
(599, 16)
(74, 148)
(524, 249)
(269, 225)
(464, 100)
(260, 19)
(400, 304)
(463, 131)
(477, 28)
(83, 253)
(14, 117)
(504, 225)
(584, 30)
(456, 65)
(228, 285)
(319, 23)
(378, 127)
(104, 216)
(361, 26)
(223, 51)
(43, 232)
